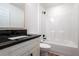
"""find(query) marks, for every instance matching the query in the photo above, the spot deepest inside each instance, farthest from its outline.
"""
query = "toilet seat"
(44, 45)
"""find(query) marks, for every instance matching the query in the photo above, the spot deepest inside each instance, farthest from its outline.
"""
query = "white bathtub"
(61, 42)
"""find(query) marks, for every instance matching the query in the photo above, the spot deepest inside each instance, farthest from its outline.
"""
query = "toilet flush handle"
(44, 37)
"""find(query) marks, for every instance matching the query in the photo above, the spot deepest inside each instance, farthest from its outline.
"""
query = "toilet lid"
(44, 45)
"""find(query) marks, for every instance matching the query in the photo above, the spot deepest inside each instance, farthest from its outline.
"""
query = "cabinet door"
(16, 17)
(22, 49)
(4, 15)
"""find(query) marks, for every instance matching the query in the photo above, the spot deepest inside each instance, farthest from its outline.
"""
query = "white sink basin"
(44, 45)
(17, 37)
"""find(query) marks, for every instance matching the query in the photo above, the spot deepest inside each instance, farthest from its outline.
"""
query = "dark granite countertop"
(14, 42)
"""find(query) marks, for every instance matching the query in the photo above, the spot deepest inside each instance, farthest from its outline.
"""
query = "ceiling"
(44, 5)
(49, 5)
(19, 5)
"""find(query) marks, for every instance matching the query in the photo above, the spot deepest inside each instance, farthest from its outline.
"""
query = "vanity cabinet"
(28, 48)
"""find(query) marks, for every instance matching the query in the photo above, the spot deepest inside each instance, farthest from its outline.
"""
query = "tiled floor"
(46, 53)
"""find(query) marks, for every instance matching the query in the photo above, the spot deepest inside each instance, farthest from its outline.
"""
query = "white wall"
(11, 16)
(16, 17)
(62, 23)
(42, 19)
(4, 15)
(32, 18)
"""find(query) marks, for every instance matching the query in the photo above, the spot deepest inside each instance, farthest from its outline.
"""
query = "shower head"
(44, 12)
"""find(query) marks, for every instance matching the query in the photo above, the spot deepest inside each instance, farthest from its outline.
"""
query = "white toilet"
(44, 45)
(44, 48)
